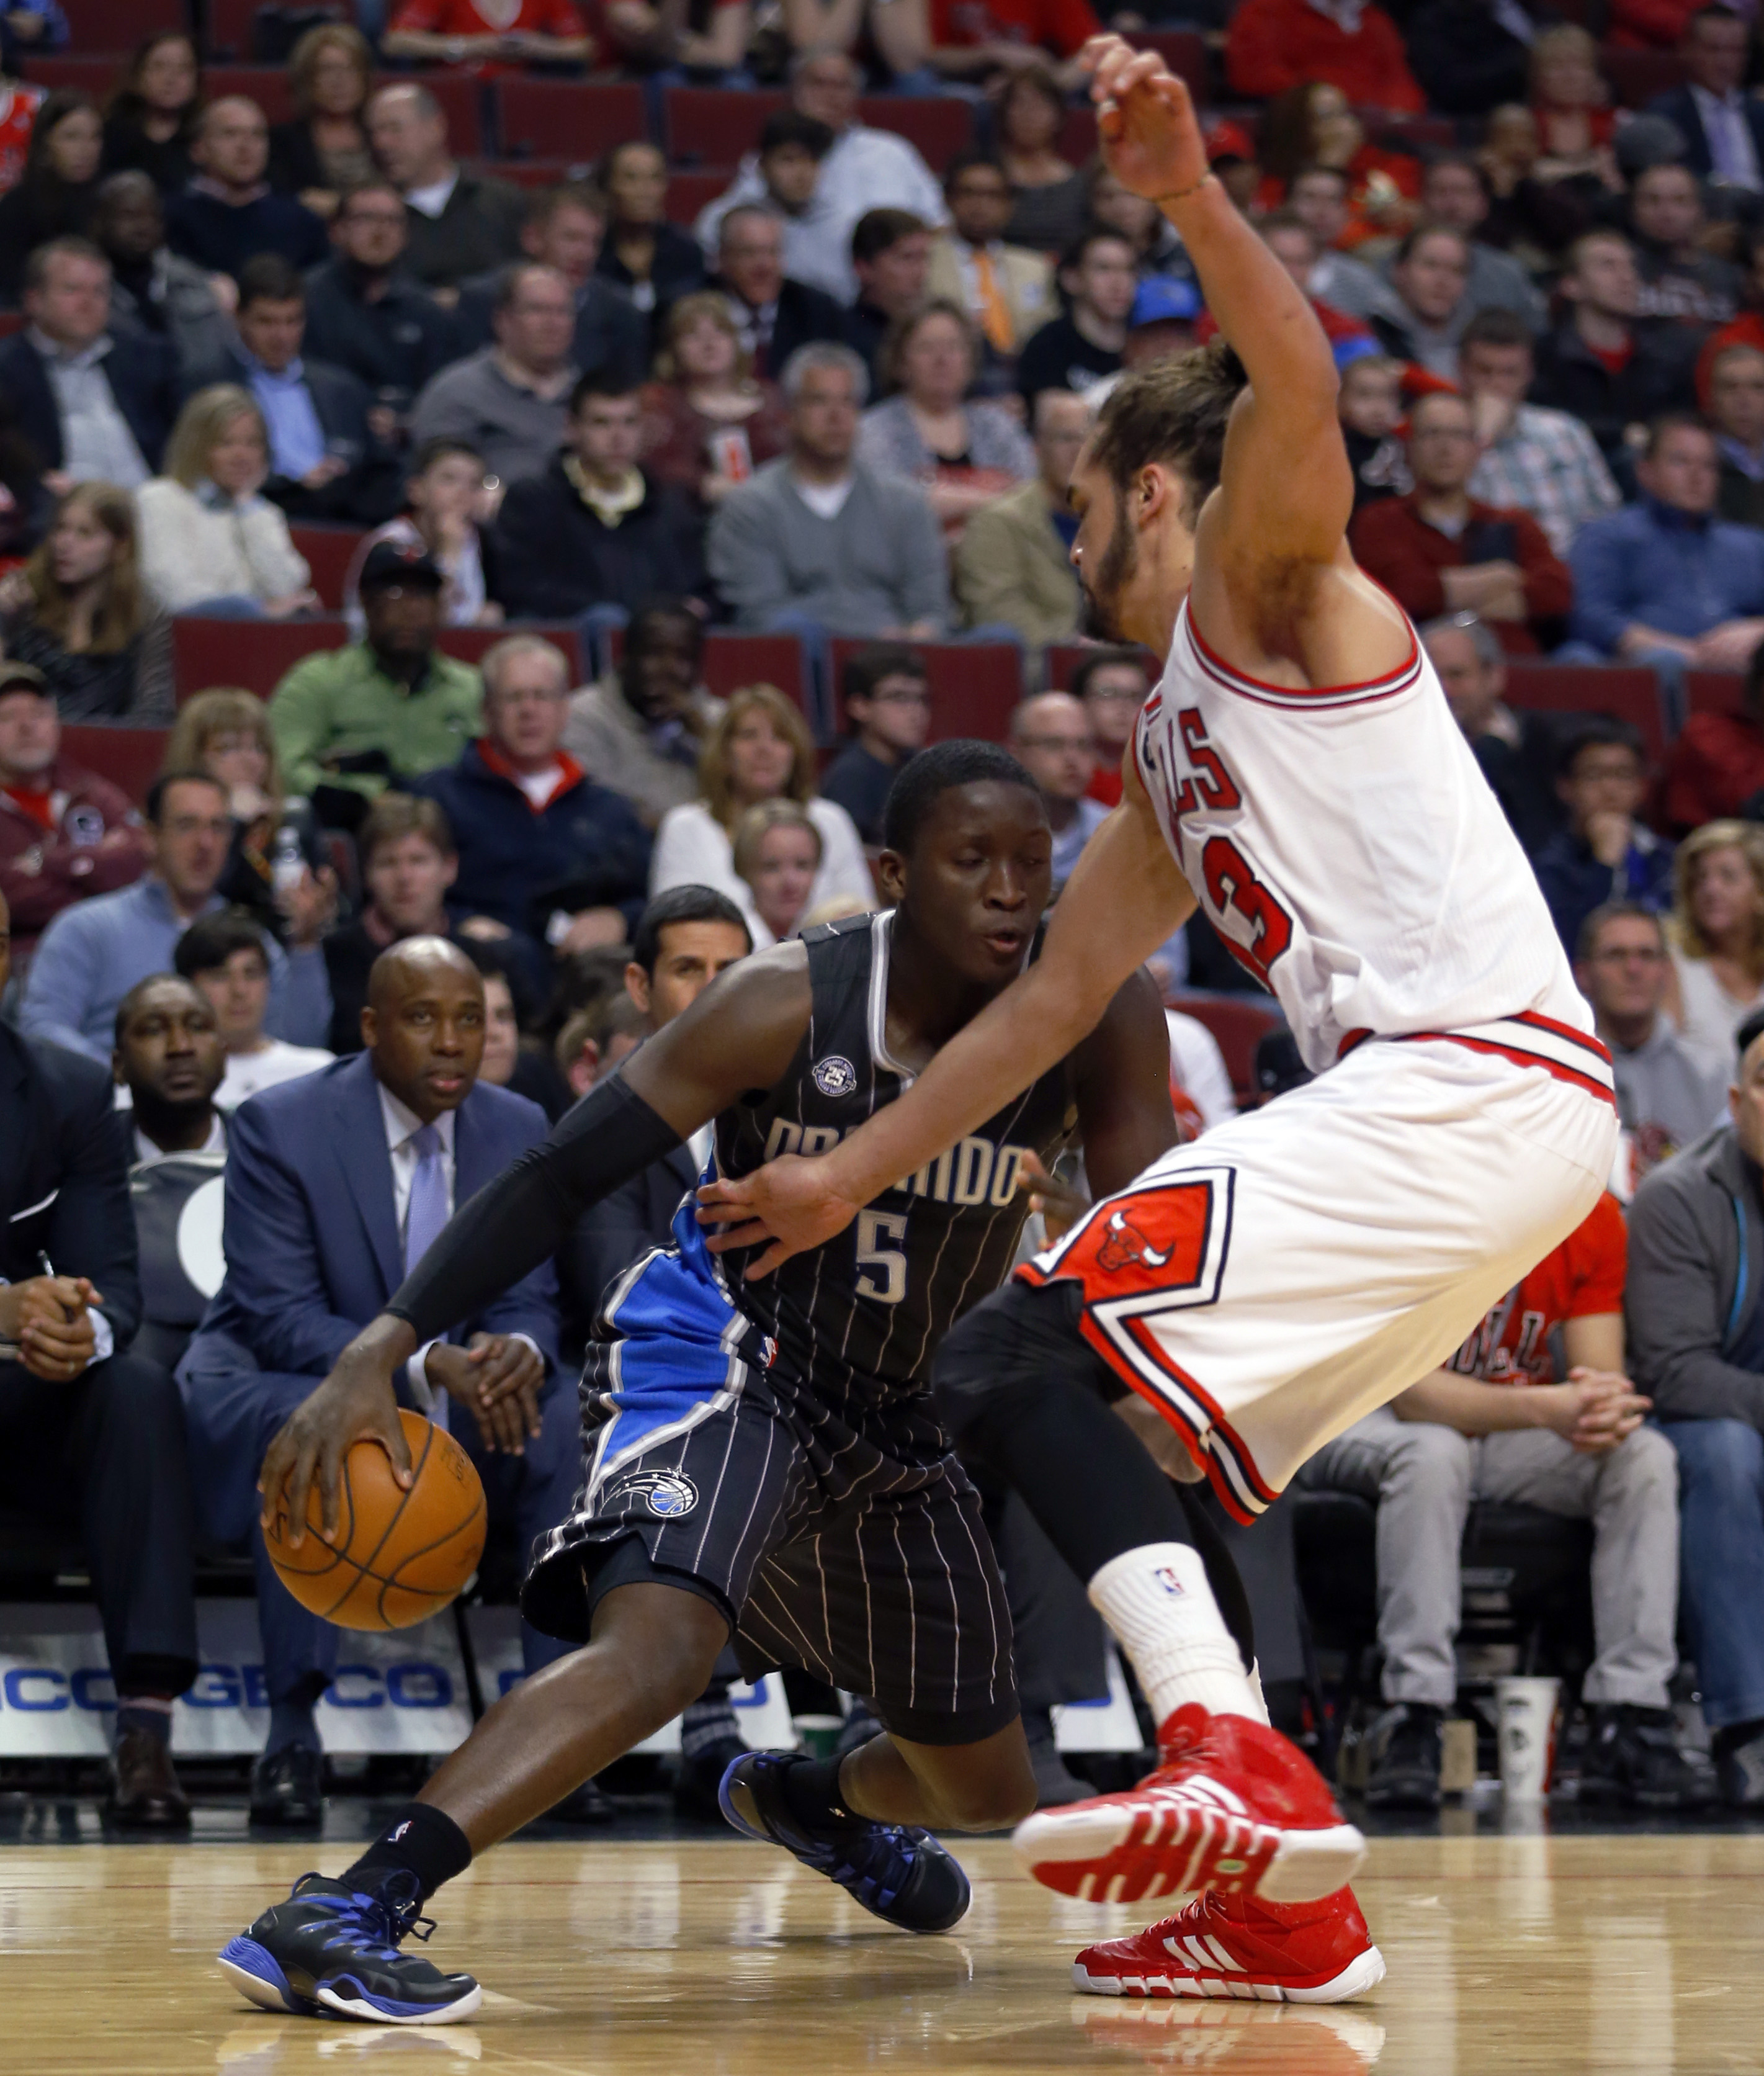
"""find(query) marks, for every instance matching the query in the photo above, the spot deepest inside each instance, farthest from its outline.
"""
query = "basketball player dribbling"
(764, 1462)
(1298, 773)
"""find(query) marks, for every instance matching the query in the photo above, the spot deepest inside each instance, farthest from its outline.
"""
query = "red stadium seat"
(468, 645)
(329, 551)
(254, 654)
(266, 84)
(543, 118)
(1184, 51)
(1078, 141)
(11, 321)
(1715, 691)
(1636, 77)
(713, 126)
(1239, 1023)
(1592, 688)
(687, 193)
(86, 74)
(104, 26)
(975, 686)
(533, 173)
(1064, 659)
(939, 125)
(732, 661)
(129, 757)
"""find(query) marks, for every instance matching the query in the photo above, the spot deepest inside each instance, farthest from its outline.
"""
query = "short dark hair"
(42, 257)
(1750, 1031)
(397, 815)
(1175, 412)
(1673, 421)
(496, 961)
(938, 771)
(609, 381)
(865, 671)
(657, 613)
(544, 203)
(1613, 911)
(786, 125)
(269, 278)
(1711, 15)
(1598, 732)
(1465, 161)
(1106, 659)
(126, 1007)
(877, 230)
(1093, 234)
(682, 905)
(965, 161)
(211, 940)
(1413, 240)
(438, 449)
(370, 183)
(154, 806)
(1495, 326)
(509, 279)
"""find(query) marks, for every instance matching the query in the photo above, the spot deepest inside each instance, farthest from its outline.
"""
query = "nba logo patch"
(1165, 1575)
(667, 1494)
(835, 1076)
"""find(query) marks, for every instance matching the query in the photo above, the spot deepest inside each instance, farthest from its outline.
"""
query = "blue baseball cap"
(1165, 299)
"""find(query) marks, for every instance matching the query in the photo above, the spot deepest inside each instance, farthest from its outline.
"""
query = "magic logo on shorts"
(667, 1494)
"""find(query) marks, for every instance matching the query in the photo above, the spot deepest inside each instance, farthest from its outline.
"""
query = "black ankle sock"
(811, 1789)
(421, 1840)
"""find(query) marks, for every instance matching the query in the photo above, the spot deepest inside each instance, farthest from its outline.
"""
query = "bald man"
(1052, 735)
(228, 215)
(336, 1185)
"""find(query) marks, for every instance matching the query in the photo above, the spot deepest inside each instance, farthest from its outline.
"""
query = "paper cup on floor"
(1528, 1736)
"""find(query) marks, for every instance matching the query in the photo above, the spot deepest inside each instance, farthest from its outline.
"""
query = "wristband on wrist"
(1182, 194)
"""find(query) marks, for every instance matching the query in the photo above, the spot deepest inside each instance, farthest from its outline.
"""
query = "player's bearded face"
(1103, 587)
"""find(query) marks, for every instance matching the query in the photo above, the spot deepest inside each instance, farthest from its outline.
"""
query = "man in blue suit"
(1723, 127)
(336, 1184)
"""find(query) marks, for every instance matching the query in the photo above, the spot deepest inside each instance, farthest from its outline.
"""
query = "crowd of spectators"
(358, 939)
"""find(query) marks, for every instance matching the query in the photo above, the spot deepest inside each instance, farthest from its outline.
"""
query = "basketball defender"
(764, 1461)
(1297, 771)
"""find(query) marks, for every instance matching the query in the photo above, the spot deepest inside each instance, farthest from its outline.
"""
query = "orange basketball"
(399, 1556)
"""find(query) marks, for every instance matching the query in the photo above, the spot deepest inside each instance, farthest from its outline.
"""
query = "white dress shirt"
(97, 444)
(432, 200)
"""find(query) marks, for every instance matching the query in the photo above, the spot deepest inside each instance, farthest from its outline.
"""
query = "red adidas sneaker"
(1233, 1946)
(1234, 1807)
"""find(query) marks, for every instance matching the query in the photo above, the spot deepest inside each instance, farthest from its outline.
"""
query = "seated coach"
(91, 1438)
(336, 1185)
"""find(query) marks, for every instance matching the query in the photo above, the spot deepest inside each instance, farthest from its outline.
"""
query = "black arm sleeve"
(515, 1222)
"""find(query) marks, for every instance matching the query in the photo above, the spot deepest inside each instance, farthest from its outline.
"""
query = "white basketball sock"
(1158, 1602)
(1256, 1695)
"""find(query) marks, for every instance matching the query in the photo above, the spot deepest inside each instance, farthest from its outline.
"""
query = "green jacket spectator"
(350, 722)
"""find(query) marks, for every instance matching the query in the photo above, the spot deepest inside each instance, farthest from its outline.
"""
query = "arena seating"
(329, 551)
(974, 685)
(1239, 1023)
(128, 756)
(538, 118)
(733, 660)
(1590, 689)
(1714, 691)
(258, 653)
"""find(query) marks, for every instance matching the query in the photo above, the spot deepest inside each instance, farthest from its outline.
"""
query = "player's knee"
(994, 1797)
(666, 1641)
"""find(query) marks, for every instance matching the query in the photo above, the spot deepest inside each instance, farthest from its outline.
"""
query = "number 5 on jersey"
(883, 1265)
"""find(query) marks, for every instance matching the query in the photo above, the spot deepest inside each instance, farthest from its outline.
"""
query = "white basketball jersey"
(1346, 846)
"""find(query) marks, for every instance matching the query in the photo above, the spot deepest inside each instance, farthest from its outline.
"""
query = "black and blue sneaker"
(900, 1874)
(330, 1949)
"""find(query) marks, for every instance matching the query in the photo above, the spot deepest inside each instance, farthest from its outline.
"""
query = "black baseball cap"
(400, 562)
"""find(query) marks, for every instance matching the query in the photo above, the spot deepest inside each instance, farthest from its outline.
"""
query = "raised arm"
(1126, 898)
(1275, 589)
(741, 1033)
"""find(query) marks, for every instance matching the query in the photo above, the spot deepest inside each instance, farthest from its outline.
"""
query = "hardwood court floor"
(1506, 1953)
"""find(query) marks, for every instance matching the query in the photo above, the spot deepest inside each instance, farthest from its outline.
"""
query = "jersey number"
(1231, 885)
(888, 1263)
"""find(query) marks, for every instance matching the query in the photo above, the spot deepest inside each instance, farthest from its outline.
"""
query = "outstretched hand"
(1147, 129)
(789, 1202)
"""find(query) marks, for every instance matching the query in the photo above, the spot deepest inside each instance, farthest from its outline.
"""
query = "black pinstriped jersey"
(859, 1317)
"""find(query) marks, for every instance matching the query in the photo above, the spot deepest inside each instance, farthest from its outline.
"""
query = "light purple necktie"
(424, 1218)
